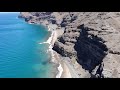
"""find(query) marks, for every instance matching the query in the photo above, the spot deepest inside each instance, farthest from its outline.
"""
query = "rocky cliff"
(90, 38)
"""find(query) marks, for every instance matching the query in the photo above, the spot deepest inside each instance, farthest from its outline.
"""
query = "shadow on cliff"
(90, 49)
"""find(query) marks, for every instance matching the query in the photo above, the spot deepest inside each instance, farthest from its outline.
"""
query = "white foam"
(60, 69)
(43, 43)
(40, 43)
(49, 39)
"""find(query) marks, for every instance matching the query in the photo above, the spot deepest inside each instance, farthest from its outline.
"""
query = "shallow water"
(21, 55)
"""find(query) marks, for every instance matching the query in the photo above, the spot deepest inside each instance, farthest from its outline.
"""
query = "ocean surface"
(21, 55)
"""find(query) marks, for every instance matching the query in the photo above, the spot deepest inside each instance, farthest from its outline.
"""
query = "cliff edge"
(91, 40)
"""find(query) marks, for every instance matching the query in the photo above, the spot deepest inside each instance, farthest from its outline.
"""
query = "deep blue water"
(21, 55)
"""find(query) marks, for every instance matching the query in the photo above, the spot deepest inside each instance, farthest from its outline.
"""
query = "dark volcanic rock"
(90, 51)
(90, 38)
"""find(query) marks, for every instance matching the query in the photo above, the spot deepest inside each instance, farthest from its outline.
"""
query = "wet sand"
(64, 71)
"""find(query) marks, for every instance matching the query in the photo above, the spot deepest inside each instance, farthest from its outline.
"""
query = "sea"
(21, 55)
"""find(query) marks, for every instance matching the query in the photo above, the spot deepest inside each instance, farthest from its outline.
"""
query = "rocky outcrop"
(90, 38)
(90, 49)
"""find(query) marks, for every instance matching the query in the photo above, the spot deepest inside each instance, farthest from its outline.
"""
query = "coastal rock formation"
(90, 38)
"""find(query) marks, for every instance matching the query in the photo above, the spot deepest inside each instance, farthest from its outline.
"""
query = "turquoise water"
(21, 55)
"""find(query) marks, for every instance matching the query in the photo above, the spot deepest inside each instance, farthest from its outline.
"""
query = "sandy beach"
(64, 70)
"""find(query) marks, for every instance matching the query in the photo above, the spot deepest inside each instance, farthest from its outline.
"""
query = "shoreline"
(51, 40)
(63, 69)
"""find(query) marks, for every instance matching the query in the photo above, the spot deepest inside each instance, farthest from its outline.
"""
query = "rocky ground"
(91, 40)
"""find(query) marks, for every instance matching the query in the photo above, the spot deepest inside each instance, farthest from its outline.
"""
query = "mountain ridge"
(90, 38)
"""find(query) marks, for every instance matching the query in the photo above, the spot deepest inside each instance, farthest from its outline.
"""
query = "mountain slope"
(90, 38)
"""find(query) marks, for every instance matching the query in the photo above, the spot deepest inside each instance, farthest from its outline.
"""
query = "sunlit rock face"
(90, 38)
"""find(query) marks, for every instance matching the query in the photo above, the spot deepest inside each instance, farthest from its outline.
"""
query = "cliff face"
(90, 38)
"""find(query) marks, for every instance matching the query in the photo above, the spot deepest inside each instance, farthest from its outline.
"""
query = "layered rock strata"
(90, 39)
